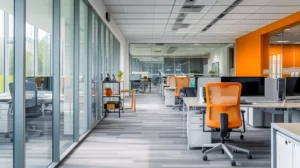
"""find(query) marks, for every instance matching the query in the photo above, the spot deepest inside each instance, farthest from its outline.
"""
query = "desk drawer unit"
(196, 136)
(6, 121)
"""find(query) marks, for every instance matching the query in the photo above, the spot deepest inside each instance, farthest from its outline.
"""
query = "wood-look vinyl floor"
(152, 138)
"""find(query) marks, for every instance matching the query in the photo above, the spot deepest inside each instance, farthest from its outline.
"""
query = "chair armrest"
(243, 120)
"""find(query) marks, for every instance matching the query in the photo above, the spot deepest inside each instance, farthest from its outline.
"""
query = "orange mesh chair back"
(181, 82)
(223, 98)
(169, 80)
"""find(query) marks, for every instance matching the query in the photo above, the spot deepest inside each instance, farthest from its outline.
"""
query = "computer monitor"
(292, 89)
(251, 86)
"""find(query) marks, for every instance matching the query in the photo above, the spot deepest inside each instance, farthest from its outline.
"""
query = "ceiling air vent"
(171, 50)
(191, 8)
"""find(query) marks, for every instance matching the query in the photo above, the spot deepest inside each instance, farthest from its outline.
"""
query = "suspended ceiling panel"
(190, 20)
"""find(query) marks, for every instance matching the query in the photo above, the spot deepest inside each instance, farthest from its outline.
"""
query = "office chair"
(186, 92)
(33, 109)
(180, 82)
(223, 115)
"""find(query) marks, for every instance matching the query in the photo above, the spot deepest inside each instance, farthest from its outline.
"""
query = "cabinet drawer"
(198, 138)
(3, 112)
(197, 120)
(196, 127)
(4, 106)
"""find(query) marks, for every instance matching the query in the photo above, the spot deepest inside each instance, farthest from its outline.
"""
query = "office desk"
(162, 88)
(169, 96)
(193, 122)
(194, 102)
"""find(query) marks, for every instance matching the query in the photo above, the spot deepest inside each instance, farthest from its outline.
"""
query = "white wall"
(220, 55)
(124, 62)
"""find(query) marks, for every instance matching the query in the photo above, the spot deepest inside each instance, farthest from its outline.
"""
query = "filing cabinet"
(6, 120)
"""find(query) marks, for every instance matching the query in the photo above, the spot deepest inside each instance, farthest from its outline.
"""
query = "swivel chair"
(223, 115)
(180, 82)
(32, 109)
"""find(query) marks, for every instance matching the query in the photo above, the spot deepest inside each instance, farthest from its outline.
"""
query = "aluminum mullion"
(56, 82)
(76, 72)
(6, 52)
(19, 154)
(89, 71)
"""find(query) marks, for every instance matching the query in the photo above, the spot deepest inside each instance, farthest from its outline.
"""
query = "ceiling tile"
(217, 9)
(244, 9)
(254, 2)
(266, 16)
(286, 2)
(115, 9)
(194, 16)
(227, 22)
(206, 21)
(186, 21)
(257, 22)
(137, 2)
(164, 2)
(234, 16)
(118, 16)
(278, 9)
(163, 9)
(205, 2)
(225, 2)
(210, 16)
(138, 9)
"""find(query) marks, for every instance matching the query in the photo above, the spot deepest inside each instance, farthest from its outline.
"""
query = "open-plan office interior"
(149, 83)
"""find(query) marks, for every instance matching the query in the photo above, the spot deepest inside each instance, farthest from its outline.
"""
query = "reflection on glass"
(284, 53)
(83, 38)
(1, 51)
(67, 61)
(94, 67)
(38, 104)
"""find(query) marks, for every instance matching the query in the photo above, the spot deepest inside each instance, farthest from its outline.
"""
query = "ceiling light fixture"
(282, 41)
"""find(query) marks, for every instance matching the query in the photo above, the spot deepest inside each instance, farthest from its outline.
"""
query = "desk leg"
(273, 148)
(287, 116)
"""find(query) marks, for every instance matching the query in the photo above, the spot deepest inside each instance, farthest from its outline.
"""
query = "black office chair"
(186, 92)
(33, 109)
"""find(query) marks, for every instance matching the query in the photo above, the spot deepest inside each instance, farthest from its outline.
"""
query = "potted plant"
(195, 71)
(212, 73)
(119, 75)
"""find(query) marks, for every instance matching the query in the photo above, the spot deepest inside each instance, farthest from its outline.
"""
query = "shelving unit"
(112, 105)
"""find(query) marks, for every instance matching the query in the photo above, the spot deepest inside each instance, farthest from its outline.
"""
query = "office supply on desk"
(292, 90)
(223, 115)
(33, 110)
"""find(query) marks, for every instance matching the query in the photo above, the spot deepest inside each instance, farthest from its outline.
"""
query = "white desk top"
(169, 88)
(290, 127)
(194, 102)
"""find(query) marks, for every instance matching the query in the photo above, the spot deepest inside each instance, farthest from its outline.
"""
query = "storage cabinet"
(6, 121)
(296, 155)
(284, 151)
(196, 136)
(287, 152)
(169, 97)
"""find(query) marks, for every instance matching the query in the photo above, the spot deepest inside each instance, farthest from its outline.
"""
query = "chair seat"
(231, 125)
(33, 112)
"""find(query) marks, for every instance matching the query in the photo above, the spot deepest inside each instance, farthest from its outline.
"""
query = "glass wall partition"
(41, 49)
(67, 61)
(83, 40)
(6, 52)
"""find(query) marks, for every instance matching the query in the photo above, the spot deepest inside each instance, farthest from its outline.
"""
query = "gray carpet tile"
(152, 138)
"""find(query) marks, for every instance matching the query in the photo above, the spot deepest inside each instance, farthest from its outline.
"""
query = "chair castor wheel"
(222, 151)
(203, 150)
(204, 157)
(233, 163)
(41, 134)
(249, 156)
(242, 137)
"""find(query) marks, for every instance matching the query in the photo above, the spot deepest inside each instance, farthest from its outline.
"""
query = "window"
(29, 50)
(1, 51)
(44, 54)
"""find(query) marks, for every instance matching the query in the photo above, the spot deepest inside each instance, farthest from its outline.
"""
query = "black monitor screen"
(251, 86)
(292, 86)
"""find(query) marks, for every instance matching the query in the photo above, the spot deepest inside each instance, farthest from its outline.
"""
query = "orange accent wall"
(251, 48)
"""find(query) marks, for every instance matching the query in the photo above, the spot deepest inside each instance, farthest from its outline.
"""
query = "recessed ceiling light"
(282, 41)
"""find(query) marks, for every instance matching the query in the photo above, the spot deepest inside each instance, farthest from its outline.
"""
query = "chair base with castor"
(225, 133)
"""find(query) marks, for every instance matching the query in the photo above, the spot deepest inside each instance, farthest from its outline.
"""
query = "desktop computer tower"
(275, 89)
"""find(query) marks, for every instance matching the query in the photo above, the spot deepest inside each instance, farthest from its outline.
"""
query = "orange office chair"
(223, 115)
(180, 82)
